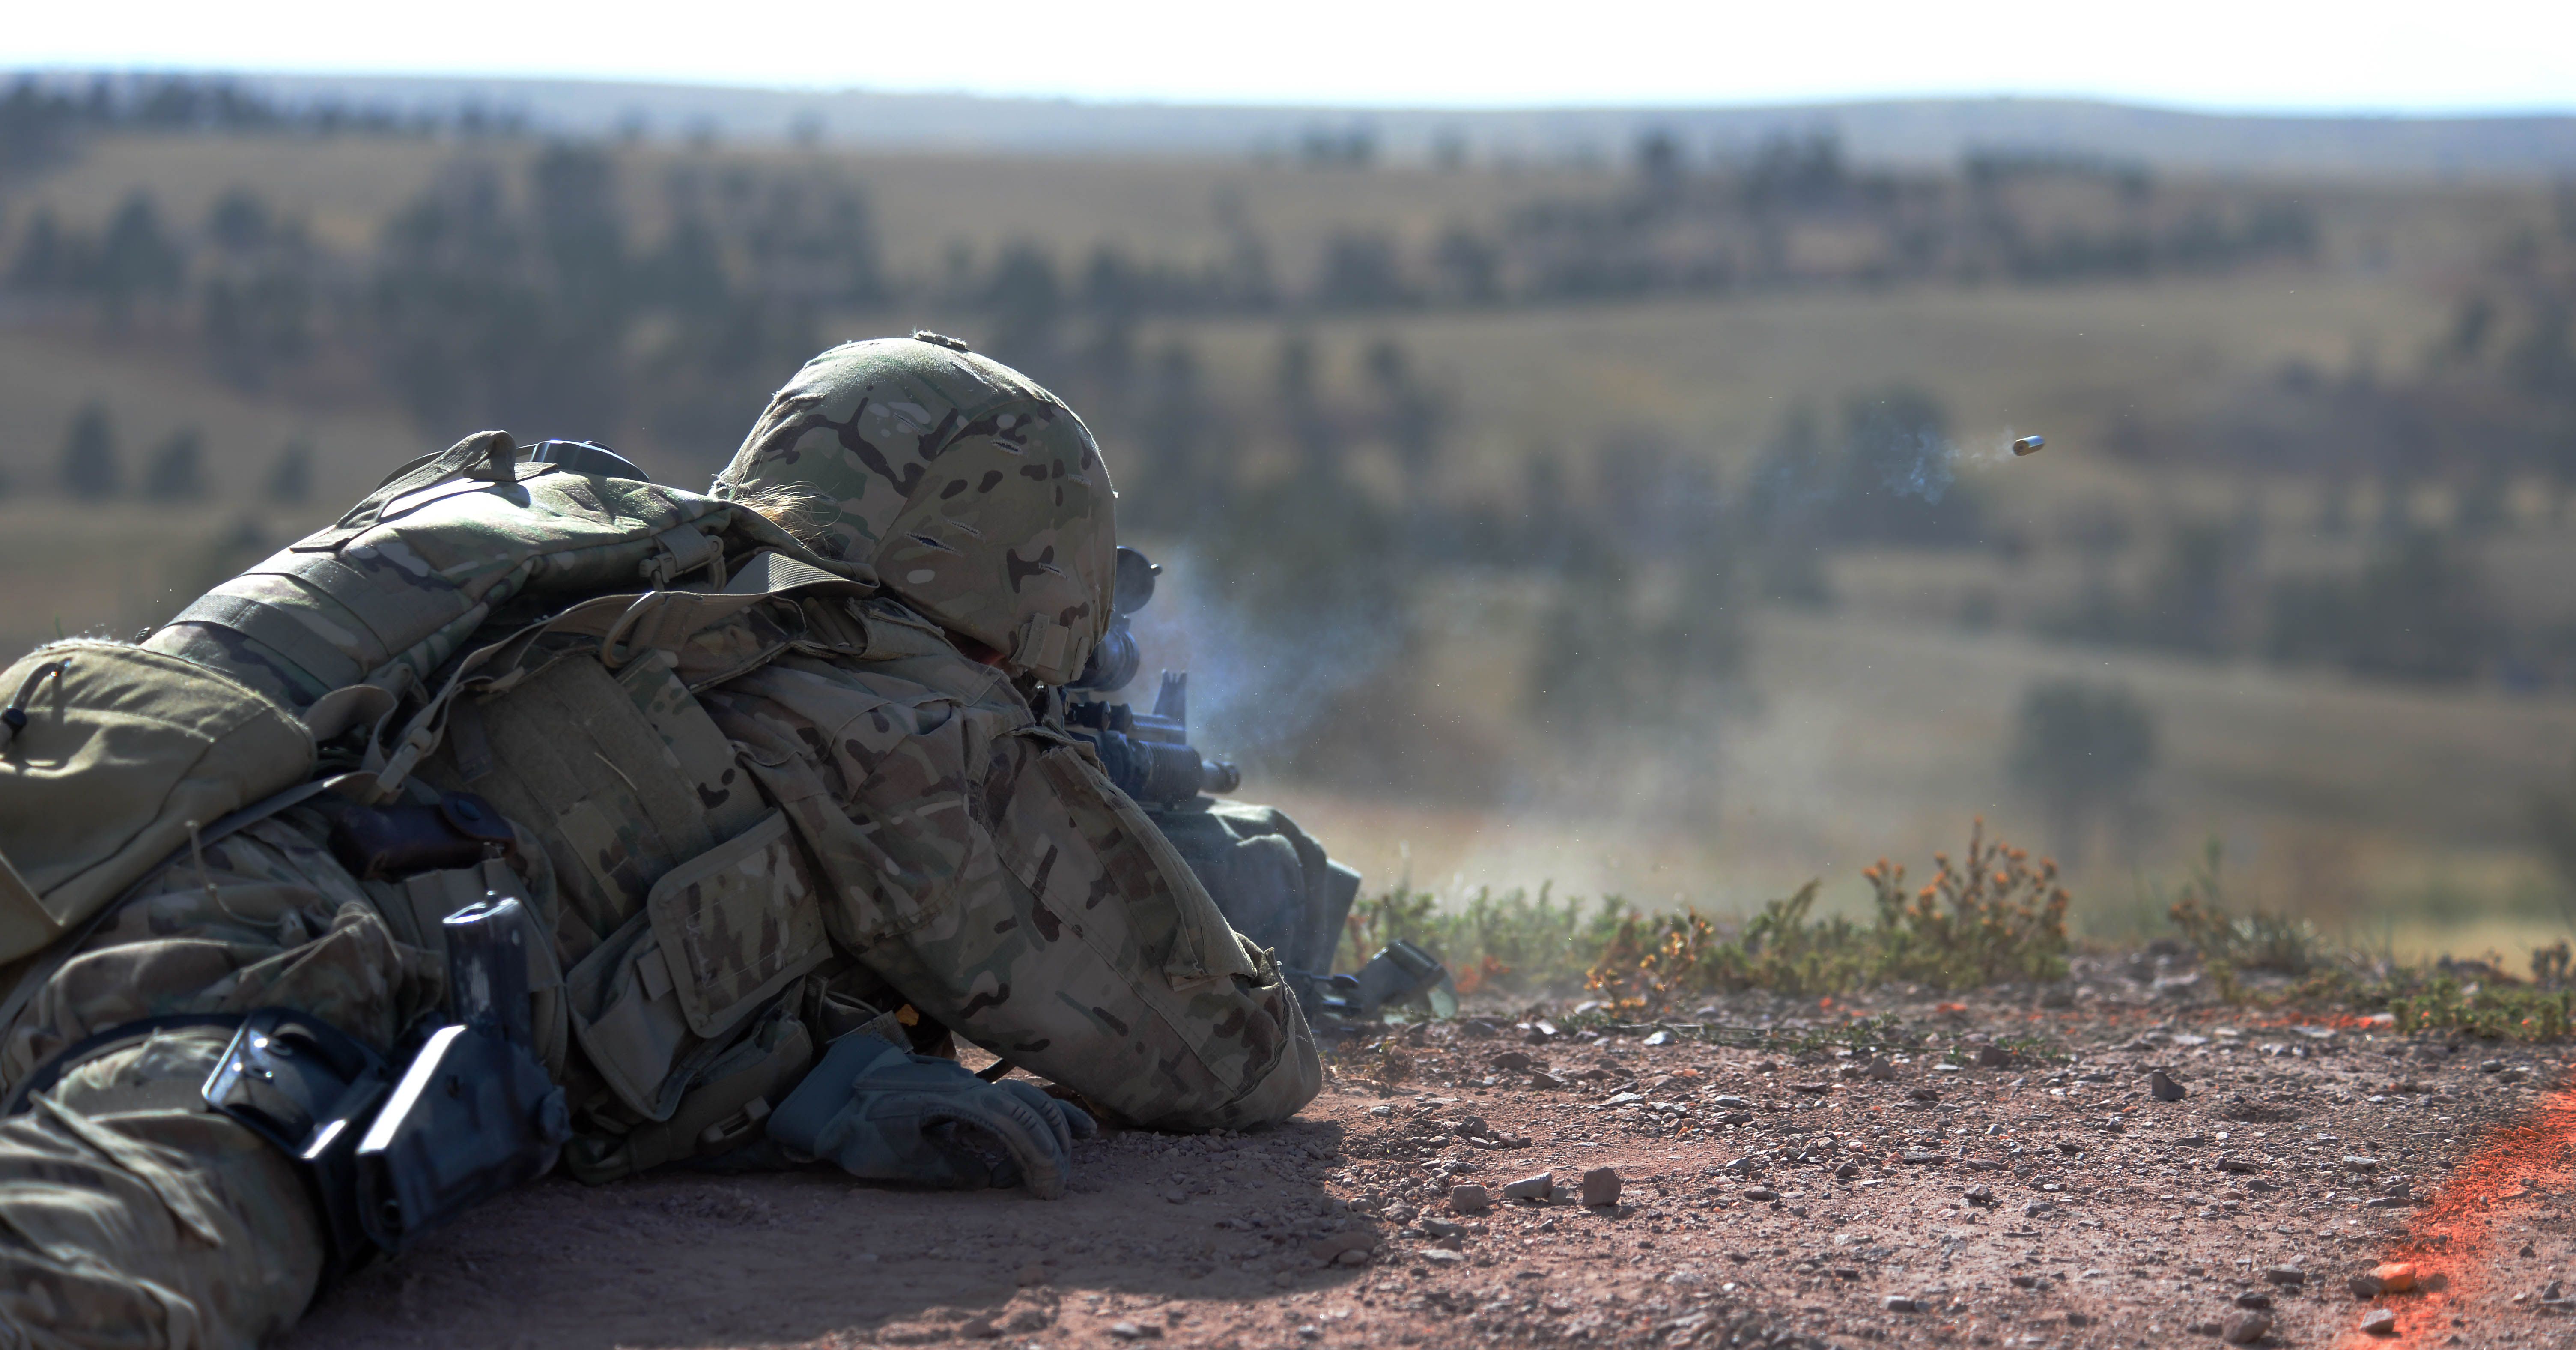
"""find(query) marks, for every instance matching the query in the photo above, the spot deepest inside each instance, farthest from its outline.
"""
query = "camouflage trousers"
(130, 1215)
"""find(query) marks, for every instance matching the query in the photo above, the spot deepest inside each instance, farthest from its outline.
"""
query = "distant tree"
(2419, 611)
(1659, 159)
(1898, 472)
(2081, 751)
(238, 221)
(290, 479)
(177, 471)
(1179, 484)
(136, 260)
(1470, 266)
(89, 468)
(48, 258)
(1412, 413)
(1361, 271)
(1298, 380)
(1027, 303)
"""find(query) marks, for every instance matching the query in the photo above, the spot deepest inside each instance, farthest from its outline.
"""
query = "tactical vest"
(477, 625)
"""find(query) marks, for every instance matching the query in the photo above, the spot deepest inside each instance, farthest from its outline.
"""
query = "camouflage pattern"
(130, 1216)
(971, 492)
(388, 600)
(984, 866)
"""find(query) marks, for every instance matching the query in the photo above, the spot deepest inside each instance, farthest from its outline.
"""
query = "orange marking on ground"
(2451, 1241)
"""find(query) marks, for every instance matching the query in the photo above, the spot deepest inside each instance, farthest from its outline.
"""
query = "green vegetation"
(1993, 916)
(1990, 917)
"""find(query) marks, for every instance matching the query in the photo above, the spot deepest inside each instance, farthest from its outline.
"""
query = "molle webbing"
(394, 589)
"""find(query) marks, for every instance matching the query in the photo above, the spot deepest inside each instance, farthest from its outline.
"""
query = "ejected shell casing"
(2028, 445)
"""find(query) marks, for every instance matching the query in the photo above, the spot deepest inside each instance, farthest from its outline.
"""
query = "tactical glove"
(886, 1115)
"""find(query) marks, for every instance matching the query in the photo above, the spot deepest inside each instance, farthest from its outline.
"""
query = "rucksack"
(343, 652)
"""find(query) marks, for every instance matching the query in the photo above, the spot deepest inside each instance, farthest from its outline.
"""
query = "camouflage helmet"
(977, 496)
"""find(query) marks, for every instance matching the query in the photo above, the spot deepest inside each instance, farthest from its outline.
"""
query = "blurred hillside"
(1646, 522)
(1915, 132)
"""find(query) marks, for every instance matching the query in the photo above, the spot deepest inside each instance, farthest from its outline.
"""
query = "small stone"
(2366, 1285)
(2163, 1088)
(1878, 1070)
(2380, 1322)
(1176, 1195)
(2232, 1163)
(2285, 1275)
(1469, 1200)
(1924, 1094)
(1759, 1194)
(2202, 1328)
(1443, 1257)
(1545, 1080)
(1993, 1057)
(2395, 1277)
(2077, 1319)
(1900, 1303)
(1127, 1331)
(1848, 1170)
(1731, 1104)
(2259, 1301)
(2355, 1162)
(2387, 1202)
(1660, 1038)
(1812, 1089)
(1511, 1061)
(1531, 1188)
(2244, 1326)
(1980, 1195)
(1351, 1258)
(1601, 1187)
(1442, 1228)
(2491, 1066)
(1333, 1246)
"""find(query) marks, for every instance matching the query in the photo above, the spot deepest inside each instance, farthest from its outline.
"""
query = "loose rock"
(2163, 1088)
(2285, 1275)
(1469, 1200)
(2395, 1277)
(1601, 1187)
(1531, 1188)
(2380, 1322)
(2245, 1326)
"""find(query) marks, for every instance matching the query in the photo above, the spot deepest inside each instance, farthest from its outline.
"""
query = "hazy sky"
(2458, 55)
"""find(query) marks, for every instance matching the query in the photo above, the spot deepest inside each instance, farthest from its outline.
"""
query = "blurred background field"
(1631, 514)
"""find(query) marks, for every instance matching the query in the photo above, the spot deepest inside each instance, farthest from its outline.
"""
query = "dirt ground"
(1788, 1194)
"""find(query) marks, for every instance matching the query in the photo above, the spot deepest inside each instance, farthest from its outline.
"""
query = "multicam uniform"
(948, 847)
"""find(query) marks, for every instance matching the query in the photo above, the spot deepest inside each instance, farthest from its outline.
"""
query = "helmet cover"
(977, 496)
